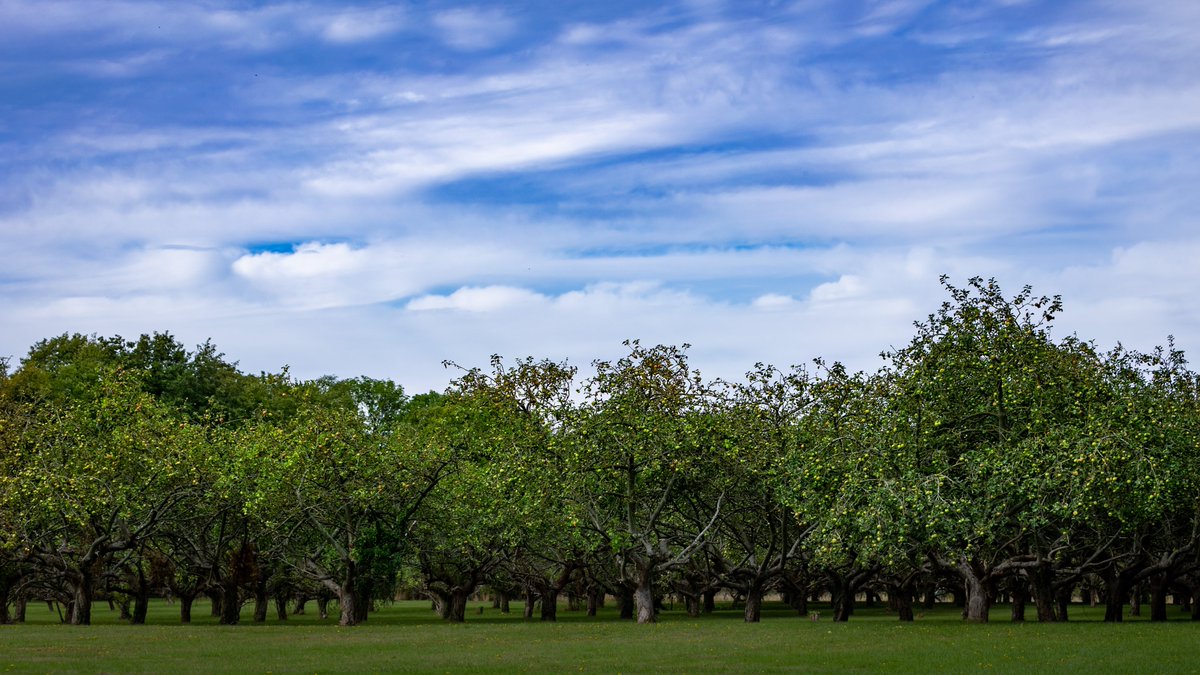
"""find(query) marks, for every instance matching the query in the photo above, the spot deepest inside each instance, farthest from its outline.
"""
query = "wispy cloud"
(360, 25)
(474, 28)
(766, 182)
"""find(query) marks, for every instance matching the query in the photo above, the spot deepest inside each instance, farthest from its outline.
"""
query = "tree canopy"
(985, 459)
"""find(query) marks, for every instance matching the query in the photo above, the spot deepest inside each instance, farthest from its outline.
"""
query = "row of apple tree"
(986, 457)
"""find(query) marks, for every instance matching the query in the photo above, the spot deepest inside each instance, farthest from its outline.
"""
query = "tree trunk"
(260, 603)
(643, 596)
(231, 603)
(692, 603)
(214, 602)
(298, 607)
(625, 603)
(81, 604)
(753, 612)
(348, 605)
(141, 598)
(550, 604)
(281, 607)
(843, 604)
(904, 604)
(439, 602)
(123, 605)
(1158, 598)
(593, 601)
(185, 608)
(323, 607)
(1114, 600)
(978, 592)
(710, 601)
(18, 615)
(1042, 579)
(842, 589)
(1020, 595)
(530, 601)
(504, 608)
(7, 583)
(141, 607)
(458, 605)
(364, 593)
(799, 602)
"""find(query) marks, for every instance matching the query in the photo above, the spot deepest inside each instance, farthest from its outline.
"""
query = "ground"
(408, 637)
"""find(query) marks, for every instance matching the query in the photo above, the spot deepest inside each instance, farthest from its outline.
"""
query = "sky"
(370, 188)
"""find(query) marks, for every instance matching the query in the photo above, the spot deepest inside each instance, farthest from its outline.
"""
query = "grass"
(408, 637)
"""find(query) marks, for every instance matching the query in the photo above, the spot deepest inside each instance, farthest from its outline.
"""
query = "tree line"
(985, 460)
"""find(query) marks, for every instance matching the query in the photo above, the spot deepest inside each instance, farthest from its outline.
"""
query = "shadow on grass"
(419, 612)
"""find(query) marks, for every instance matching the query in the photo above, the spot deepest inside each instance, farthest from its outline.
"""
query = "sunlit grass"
(407, 636)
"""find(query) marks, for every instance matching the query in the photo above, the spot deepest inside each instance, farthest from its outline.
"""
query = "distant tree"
(340, 483)
(93, 477)
(759, 539)
(985, 408)
(641, 445)
(524, 409)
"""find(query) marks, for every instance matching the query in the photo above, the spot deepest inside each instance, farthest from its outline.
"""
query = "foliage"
(986, 457)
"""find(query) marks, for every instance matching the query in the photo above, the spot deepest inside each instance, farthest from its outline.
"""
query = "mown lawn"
(408, 637)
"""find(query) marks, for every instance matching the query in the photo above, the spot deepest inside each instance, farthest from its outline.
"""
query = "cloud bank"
(356, 188)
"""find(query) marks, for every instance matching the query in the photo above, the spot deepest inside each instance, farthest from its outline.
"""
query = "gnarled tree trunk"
(530, 601)
(550, 604)
(185, 607)
(1020, 595)
(348, 604)
(980, 592)
(81, 599)
(214, 601)
(141, 598)
(643, 595)
(625, 607)
(1159, 584)
(1042, 581)
(458, 605)
(231, 603)
(754, 597)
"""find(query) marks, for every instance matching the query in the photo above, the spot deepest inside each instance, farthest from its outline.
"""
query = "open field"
(408, 637)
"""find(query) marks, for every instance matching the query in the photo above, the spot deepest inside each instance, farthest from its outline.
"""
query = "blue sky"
(370, 188)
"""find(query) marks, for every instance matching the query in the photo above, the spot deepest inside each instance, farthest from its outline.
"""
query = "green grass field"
(408, 637)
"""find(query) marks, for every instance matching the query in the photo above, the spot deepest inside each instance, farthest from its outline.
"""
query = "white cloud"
(885, 16)
(848, 286)
(612, 298)
(183, 24)
(353, 26)
(473, 28)
(728, 183)
(773, 301)
(481, 299)
(308, 260)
